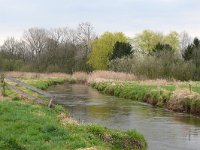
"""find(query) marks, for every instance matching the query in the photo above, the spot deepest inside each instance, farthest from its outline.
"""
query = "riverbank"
(173, 97)
(25, 125)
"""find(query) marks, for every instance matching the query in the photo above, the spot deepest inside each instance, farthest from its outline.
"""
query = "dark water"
(163, 130)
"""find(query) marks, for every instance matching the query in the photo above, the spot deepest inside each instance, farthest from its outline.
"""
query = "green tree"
(120, 50)
(160, 47)
(189, 51)
(147, 40)
(187, 55)
(172, 39)
(102, 49)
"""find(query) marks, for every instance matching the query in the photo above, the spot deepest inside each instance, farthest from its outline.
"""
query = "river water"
(162, 129)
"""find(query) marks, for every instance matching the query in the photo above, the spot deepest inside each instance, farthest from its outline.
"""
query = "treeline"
(54, 50)
(148, 55)
(157, 56)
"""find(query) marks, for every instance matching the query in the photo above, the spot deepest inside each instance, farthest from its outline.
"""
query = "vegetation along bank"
(28, 125)
(173, 97)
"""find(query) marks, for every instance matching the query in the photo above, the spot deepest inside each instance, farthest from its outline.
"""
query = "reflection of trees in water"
(109, 110)
(192, 129)
(79, 89)
(91, 106)
(187, 119)
(193, 133)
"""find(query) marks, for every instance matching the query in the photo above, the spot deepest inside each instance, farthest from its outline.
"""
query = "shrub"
(167, 66)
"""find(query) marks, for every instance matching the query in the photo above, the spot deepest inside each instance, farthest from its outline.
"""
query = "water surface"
(162, 129)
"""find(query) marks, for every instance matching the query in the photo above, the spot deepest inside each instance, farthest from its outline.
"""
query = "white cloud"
(129, 16)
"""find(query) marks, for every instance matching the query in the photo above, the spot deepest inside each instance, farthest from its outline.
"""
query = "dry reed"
(80, 76)
(37, 75)
(101, 76)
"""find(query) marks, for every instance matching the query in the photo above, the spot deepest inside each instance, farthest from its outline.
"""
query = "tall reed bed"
(37, 75)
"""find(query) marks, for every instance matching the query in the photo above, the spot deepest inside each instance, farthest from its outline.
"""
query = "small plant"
(16, 98)
(59, 109)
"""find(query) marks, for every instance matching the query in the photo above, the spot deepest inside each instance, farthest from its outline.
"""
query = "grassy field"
(174, 96)
(25, 125)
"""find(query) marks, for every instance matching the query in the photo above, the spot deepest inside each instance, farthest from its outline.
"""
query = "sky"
(128, 16)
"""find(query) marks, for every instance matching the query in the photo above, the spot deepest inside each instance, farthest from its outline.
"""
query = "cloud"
(129, 16)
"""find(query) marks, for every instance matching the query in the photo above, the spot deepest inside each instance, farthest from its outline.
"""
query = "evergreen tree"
(120, 50)
(189, 51)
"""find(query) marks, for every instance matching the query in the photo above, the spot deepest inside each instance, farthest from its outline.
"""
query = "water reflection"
(163, 130)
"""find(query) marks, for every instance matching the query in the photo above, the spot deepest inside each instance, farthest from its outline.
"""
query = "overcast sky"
(128, 16)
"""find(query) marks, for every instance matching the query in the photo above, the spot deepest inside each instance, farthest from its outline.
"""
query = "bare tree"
(85, 36)
(60, 49)
(9, 46)
(185, 40)
(22, 50)
(63, 35)
(36, 38)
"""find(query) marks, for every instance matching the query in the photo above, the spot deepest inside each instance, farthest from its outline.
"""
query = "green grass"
(162, 96)
(26, 126)
(43, 84)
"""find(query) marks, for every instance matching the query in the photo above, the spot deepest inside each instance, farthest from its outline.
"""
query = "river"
(163, 130)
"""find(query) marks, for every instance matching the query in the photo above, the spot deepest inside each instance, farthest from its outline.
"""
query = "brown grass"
(181, 99)
(80, 76)
(96, 76)
(157, 82)
(66, 119)
(100, 76)
(37, 75)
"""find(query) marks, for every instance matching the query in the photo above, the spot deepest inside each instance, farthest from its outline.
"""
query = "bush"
(165, 65)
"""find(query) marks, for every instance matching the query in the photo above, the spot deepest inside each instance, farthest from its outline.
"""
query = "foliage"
(192, 54)
(172, 39)
(102, 49)
(147, 40)
(161, 96)
(162, 47)
(162, 65)
(150, 54)
(189, 51)
(120, 50)
(55, 50)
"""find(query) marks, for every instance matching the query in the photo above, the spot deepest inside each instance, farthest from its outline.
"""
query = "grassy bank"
(25, 125)
(44, 83)
(170, 96)
(173, 95)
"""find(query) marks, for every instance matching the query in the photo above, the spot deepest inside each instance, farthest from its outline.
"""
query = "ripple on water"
(164, 130)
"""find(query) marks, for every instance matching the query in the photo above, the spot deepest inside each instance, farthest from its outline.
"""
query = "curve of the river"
(163, 130)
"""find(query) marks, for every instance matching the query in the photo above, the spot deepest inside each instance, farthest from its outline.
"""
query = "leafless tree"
(22, 50)
(63, 35)
(9, 46)
(185, 40)
(36, 39)
(85, 36)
